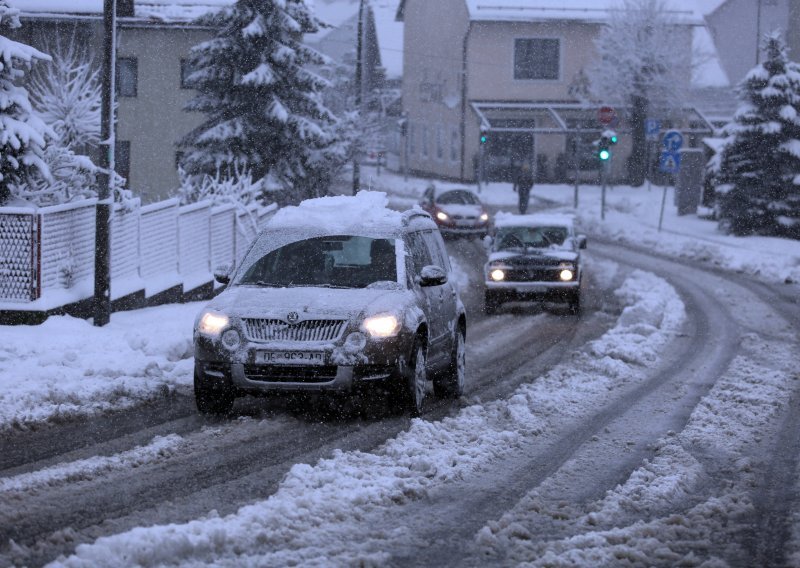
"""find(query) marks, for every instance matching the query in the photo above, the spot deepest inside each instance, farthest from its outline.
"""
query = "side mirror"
(432, 276)
(222, 273)
(581, 241)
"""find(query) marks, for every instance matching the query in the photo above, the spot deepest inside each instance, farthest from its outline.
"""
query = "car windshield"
(341, 261)
(524, 237)
(457, 197)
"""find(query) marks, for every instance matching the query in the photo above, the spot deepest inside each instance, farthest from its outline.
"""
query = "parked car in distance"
(534, 258)
(457, 212)
(335, 294)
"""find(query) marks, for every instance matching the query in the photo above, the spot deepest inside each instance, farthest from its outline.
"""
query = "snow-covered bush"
(23, 135)
(263, 104)
(758, 169)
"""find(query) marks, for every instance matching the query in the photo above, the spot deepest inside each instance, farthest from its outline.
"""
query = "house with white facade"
(506, 71)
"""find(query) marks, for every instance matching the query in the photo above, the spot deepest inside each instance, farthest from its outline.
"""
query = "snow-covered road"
(643, 438)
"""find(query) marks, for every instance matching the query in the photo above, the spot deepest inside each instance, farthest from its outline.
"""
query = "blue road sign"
(669, 162)
(652, 127)
(672, 141)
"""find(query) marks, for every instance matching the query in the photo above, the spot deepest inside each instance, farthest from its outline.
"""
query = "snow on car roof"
(340, 214)
(503, 219)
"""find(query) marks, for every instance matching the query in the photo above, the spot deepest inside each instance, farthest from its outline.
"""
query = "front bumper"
(380, 360)
(520, 291)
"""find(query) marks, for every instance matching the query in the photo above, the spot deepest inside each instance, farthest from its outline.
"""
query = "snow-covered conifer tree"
(640, 67)
(264, 112)
(23, 135)
(758, 173)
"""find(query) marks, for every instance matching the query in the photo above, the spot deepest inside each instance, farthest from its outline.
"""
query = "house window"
(122, 159)
(439, 143)
(186, 70)
(454, 144)
(537, 59)
(424, 141)
(127, 76)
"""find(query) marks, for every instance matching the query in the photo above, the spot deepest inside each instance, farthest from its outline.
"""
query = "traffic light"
(484, 137)
(607, 139)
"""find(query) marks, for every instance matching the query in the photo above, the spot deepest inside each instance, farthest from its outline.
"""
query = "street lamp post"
(102, 258)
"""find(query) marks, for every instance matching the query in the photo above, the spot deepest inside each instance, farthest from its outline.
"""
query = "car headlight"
(566, 274)
(212, 323)
(497, 275)
(442, 216)
(385, 325)
(484, 216)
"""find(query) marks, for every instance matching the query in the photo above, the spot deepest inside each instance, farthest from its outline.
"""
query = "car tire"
(491, 303)
(415, 382)
(212, 400)
(451, 383)
(575, 304)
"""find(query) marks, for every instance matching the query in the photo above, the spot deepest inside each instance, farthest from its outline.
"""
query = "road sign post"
(669, 163)
(652, 129)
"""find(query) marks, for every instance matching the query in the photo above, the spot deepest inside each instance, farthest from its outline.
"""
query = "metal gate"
(19, 279)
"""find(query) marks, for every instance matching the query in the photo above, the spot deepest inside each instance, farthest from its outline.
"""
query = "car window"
(418, 251)
(438, 252)
(522, 237)
(340, 261)
(457, 197)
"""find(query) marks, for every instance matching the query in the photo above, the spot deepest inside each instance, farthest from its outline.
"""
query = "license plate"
(290, 358)
(532, 290)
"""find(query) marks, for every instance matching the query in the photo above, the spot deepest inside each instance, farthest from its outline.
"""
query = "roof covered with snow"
(687, 11)
(160, 10)
(503, 219)
(340, 214)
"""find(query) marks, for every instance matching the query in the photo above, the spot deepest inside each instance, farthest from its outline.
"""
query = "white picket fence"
(47, 254)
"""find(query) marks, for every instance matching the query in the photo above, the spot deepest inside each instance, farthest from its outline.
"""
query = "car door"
(448, 296)
(430, 296)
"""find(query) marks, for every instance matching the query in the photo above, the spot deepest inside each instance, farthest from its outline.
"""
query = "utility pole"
(758, 33)
(359, 87)
(102, 254)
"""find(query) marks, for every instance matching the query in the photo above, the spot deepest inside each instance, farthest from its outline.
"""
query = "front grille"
(532, 275)
(464, 217)
(304, 331)
(290, 374)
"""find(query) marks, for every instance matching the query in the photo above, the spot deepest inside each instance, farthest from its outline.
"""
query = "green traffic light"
(604, 155)
(484, 138)
(613, 139)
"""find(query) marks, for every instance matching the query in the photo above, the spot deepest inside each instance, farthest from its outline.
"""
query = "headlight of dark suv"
(567, 272)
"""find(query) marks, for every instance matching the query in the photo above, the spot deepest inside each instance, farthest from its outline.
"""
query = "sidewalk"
(632, 216)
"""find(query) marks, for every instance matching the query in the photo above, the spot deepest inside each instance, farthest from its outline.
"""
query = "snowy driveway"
(645, 439)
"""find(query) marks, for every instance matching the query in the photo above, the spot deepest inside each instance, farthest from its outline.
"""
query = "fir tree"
(23, 135)
(263, 107)
(758, 173)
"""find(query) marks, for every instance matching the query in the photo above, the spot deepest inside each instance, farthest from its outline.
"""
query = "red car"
(458, 212)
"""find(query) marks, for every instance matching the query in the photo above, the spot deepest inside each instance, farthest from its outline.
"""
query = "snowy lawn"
(66, 367)
(321, 514)
(632, 216)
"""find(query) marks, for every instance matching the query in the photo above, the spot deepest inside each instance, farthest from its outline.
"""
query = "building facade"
(488, 85)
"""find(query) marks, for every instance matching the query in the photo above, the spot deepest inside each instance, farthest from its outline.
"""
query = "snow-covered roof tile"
(163, 10)
(686, 11)
(707, 68)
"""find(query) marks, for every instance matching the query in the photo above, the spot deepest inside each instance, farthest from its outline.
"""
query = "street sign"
(672, 141)
(652, 128)
(669, 162)
(606, 115)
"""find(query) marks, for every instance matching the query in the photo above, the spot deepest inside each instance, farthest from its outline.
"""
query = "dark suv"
(336, 293)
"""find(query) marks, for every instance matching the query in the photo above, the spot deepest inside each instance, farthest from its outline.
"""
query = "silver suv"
(327, 302)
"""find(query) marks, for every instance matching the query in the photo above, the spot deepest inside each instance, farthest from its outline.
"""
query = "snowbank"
(66, 367)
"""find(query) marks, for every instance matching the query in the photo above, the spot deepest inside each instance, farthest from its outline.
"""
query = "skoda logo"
(292, 317)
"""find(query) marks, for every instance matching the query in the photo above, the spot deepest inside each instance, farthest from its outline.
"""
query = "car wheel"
(575, 304)
(491, 303)
(216, 399)
(451, 384)
(416, 380)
